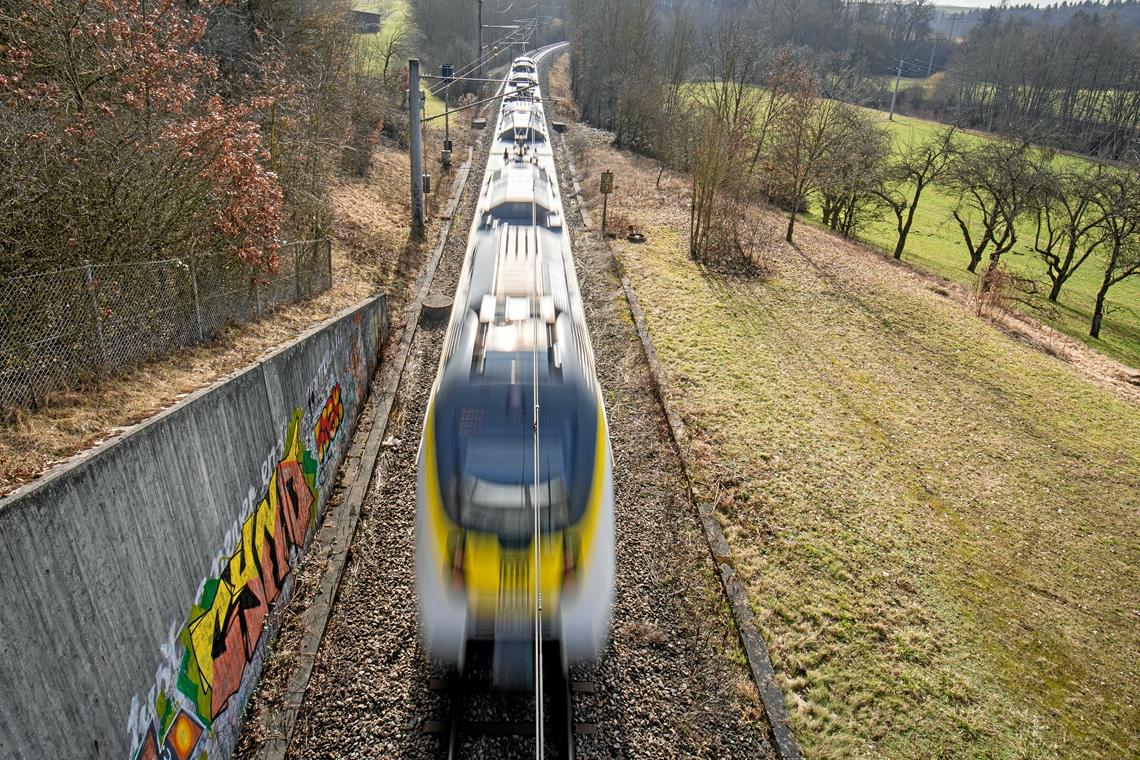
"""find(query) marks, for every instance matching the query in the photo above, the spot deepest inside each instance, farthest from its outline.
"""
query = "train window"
(519, 212)
(485, 445)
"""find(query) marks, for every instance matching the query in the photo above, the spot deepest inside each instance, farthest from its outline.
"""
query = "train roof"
(522, 123)
(518, 310)
(520, 181)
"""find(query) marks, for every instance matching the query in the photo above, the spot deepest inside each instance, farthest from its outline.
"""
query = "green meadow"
(935, 245)
(396, 18)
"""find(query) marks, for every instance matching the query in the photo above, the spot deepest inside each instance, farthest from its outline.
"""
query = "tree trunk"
(1098, 313)
(975, 259)
(1098, 310)
(909, 220)
(791, 225)
(995, 257)
(1055, 291)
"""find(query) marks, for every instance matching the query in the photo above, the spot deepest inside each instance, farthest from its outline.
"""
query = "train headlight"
(456, 551)
(571, 547)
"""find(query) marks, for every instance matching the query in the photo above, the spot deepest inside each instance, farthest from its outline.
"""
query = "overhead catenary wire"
(501, 94)
(477, 62)
(494, 51)
(537, 541)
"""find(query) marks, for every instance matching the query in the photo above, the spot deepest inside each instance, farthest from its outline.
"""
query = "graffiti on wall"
(211, 660)
(328, 423)
(224, 627)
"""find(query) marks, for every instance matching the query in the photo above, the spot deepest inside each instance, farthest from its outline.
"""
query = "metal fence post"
(97, 315)
(328, 261)
(197, 307)
(296, 273)
(256, 291)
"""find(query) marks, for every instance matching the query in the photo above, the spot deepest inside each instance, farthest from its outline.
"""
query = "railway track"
(470, 695)
(670, 684)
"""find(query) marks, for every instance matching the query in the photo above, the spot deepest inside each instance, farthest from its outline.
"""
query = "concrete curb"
(335, 535)
(755, 650)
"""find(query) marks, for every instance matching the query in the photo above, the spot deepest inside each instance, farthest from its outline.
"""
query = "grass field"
(936, 524)
(396, 18)
(935, 244)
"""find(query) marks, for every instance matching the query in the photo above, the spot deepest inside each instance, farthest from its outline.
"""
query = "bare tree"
(724, 114)
(787, 76)
(1070, 221)
(395, 46)
(851, 176)
(919, 164)
(677, 60)
(805, 137)
(995, 183)
(612, 75)
(1120, 204)
(733, 68)
(717, 150)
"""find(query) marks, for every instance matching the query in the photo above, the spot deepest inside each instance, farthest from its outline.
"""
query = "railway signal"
(607, 188)
(417, 151)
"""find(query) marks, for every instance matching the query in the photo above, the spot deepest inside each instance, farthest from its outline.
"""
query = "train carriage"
(515, 455)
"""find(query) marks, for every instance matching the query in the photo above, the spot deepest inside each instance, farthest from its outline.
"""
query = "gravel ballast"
(673, 682)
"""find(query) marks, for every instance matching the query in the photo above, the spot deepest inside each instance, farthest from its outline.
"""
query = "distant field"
(396, 16)
(935, 523)
(935, 245)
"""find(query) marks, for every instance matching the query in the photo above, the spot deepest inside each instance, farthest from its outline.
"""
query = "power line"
(497, 50)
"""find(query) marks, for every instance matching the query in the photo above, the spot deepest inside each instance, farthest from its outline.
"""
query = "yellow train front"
(517, 330)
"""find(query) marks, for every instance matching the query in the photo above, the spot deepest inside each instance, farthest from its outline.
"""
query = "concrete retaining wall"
(140, 583)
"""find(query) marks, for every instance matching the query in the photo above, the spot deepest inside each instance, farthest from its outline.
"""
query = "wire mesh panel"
(68, 326)
(48, 324)
(229, 298)
(145, 311)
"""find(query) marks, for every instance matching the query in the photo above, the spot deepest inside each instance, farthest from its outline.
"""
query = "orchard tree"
(852, 175)
(916, 166)
(995, 182)
(1120, 225)
(805, 139)
(1070, 221)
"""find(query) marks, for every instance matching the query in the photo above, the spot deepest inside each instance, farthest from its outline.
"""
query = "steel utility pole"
(895, 94)
(416, 138)
(447, 72)
(480, 39)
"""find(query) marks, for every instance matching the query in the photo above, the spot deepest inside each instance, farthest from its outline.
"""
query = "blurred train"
(516, 340)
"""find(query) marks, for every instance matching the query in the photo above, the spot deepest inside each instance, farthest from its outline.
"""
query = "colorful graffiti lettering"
(324, 433)
(179, 740)
(225, 625)
(211, 658)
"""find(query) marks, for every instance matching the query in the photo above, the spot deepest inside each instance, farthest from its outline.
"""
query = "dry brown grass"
(934, 518)
(371, 252)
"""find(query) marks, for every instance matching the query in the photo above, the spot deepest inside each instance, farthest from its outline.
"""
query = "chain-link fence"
(66, 326)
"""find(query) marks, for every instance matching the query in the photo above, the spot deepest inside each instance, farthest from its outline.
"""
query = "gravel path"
(673, 682)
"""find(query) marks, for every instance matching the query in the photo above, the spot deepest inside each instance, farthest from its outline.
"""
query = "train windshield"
(485, 457)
